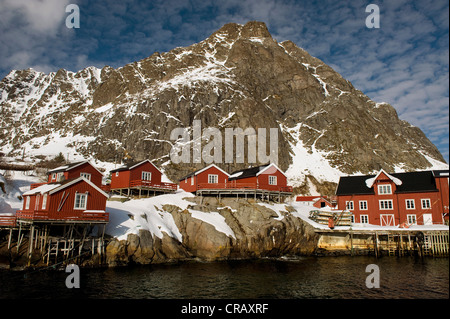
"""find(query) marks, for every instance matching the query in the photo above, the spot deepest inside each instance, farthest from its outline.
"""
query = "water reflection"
(326, 277)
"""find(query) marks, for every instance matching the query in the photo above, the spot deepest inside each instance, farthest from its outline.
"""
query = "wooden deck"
(145, 188)
(273, 192)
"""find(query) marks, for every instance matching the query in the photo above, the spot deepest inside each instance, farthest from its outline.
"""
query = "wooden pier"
(385, 242)
(51, 242)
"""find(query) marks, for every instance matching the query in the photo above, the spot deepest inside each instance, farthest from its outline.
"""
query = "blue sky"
(405, 62)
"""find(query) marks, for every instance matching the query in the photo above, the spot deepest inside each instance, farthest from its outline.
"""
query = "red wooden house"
(140, 175)
(70, 200)
(209, 177)
(266, 177)
(395, 199)
(74, 170)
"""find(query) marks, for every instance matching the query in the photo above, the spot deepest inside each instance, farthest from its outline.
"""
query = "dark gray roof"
(411, 182)
(248, 172)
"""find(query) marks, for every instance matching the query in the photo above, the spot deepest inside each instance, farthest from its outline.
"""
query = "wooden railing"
(249, 186)
(7, 220)
(144, 183)
(81, 216)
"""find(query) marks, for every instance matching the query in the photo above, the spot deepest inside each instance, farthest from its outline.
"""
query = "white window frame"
(213, 179)
(363, 205)
(364, 219)
(59, 177)
(427, 203)
(53, 176)
(79, 207)
(117, 174)
(349, 205)
(27, 202)
(272, 180)
(44, 201)
(410, 204)
(384, 189)
(412, 219)
(86, 175)
(383, 202)
(146, 176)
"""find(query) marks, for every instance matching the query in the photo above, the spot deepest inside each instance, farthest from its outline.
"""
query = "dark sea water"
(301, 278)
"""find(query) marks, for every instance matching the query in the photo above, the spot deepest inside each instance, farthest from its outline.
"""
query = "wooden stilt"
(9, 238)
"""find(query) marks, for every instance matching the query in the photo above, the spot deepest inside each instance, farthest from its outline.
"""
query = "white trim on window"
(410, 204)
(349, 205)
(364, 219)
(86, 175)
(213, 178)
(412, 219)
(146, 176)
(27, 202)
(80, 202)
(272, 180)
(44, 201)
(386, 204)
(363, 205)
(426, 203)
(384, 189)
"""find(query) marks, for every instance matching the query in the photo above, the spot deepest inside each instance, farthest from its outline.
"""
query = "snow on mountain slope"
(239, 77)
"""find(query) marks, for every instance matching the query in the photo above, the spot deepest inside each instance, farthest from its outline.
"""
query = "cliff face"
(239, 77)
(248, 230)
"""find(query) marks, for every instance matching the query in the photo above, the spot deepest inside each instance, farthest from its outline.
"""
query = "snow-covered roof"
(371, 181)
(42, 189)
(268, 166)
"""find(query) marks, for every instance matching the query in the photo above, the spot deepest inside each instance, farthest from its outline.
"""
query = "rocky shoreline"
(257, 232)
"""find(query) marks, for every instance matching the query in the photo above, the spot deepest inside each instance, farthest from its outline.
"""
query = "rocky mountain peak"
(239, 77)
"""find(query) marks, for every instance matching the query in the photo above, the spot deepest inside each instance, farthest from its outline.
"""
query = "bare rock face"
(238, 77)
(257, 232)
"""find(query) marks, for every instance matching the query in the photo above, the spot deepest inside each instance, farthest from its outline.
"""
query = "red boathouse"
(211, 176)
(139, 178)
(70, 200)
(396, 199)
(265, 177)
(74, 170)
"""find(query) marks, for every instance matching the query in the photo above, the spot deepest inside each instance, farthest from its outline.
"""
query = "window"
(384, 189)
(410, 204)
(426, 203)
(86, 175)
(44, 201)
(59, 177)
(117, 174)
(364, 219)
(146, 176)
(213, 179)
(27, 202)
(80, 201)
(363, 205)
(411, 219)
(386, 204)
(192, 180)
(349, 205)
(53, 176)
(272, 180)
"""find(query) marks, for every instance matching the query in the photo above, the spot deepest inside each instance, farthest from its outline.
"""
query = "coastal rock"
(257, 231)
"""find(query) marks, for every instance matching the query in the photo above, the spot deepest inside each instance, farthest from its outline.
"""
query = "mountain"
(238, 77)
